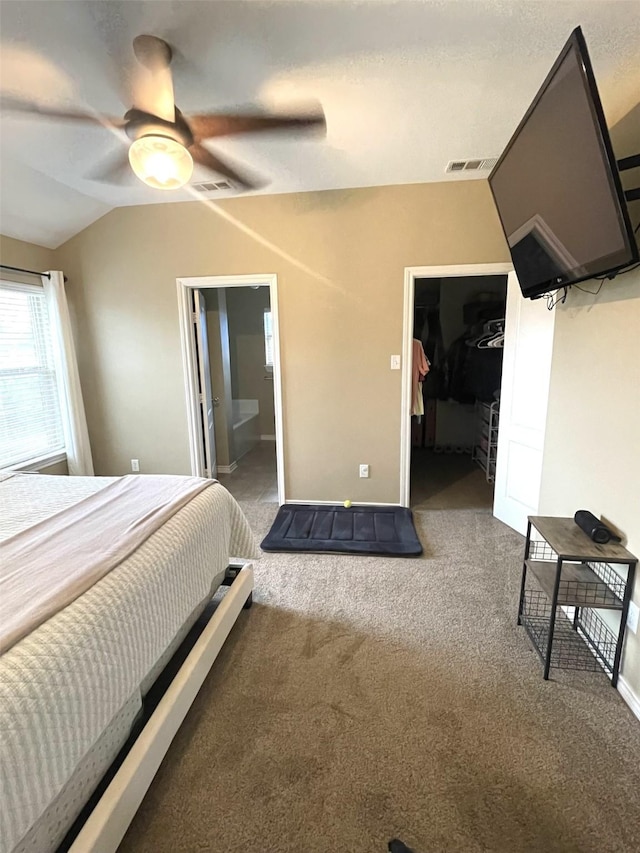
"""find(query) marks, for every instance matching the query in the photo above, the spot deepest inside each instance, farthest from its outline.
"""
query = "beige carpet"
(365, 697)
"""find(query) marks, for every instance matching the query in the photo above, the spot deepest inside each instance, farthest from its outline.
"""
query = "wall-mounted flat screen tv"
(557, 187)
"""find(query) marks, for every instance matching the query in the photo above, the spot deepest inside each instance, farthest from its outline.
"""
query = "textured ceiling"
(406, 87)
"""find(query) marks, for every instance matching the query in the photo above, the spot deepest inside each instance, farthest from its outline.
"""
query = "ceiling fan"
(164, 142)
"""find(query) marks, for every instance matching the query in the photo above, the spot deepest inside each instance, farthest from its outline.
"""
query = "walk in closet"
(458, 339)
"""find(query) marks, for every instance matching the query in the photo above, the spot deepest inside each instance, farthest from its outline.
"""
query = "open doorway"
(458, 337)
(240, 343)
(232, 376)
(453, 333)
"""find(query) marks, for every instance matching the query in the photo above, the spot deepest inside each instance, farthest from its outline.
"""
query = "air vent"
(212, 187)
(476, 165)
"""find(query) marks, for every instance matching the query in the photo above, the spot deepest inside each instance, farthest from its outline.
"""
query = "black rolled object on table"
(593, 527)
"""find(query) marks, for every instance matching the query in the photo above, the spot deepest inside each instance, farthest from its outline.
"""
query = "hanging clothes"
(420, 370)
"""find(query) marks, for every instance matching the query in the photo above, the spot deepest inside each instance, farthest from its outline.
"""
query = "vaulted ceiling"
(406, 87)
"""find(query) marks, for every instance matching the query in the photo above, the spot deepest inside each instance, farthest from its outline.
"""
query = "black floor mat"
(384, 530)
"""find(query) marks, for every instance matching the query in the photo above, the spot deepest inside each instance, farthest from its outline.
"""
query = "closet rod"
(19, 269)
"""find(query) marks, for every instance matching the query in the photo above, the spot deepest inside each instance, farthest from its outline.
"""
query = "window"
(268, 339)
(30, 420)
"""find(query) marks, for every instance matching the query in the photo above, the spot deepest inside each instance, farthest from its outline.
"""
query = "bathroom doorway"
(232, 370)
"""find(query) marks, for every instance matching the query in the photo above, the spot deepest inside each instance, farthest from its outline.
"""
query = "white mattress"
(61, 686)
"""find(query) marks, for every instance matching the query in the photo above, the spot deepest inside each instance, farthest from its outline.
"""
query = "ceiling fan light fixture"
(161, 162)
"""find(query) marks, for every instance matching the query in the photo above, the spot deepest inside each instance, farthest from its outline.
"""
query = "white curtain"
(74, 419)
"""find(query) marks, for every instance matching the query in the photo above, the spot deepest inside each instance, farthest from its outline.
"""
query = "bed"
(72, 688)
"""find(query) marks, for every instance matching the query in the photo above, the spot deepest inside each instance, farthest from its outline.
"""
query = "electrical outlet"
(395, 362)
(632, 617)
(135, 465)
(364, 470)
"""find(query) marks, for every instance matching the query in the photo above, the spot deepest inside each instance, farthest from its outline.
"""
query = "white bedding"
(45, 567)
(61, 686)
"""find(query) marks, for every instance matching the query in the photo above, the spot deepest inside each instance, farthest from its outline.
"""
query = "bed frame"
(107, 824)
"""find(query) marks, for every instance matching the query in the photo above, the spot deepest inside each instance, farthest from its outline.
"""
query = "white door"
(526, 371)
(204, 377)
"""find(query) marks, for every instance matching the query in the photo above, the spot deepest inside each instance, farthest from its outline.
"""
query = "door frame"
(190, 364)
(410, 276)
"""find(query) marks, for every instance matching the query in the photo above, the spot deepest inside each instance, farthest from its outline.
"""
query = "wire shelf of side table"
(589, 647)
(568, 584)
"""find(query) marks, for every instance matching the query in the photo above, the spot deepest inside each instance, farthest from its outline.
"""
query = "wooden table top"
(571, 542)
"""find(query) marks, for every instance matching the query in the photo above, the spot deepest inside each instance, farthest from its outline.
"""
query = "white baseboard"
(340, 503)
(629, 696)
(227, 469)
(267, 438)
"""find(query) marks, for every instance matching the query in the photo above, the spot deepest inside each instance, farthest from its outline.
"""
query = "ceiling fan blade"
(211, 161)
(115, 169)
(210, 125)
(152, 79)
(16, 105)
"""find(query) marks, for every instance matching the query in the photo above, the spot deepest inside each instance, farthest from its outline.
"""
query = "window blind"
(30, 419)
(268, 339)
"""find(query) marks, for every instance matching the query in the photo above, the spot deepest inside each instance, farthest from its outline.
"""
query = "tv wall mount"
(624, 165)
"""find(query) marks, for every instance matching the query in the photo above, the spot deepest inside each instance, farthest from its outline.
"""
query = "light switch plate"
(395, 362)
(632, 617)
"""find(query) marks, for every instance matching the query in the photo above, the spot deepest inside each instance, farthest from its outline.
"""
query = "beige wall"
(592, 446)
(17, 253)
(340, 314)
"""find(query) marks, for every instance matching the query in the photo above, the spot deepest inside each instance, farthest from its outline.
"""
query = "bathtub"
(246, 426)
